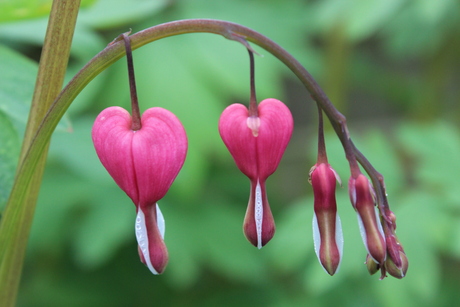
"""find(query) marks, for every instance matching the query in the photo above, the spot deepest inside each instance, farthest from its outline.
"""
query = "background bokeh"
(392, 67)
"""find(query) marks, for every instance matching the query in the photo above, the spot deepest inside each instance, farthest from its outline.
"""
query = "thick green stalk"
(18, 214)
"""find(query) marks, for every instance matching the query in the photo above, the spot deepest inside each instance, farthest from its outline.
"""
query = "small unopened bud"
(327, 229)
(372, 266)
(394, 270)
(361, 196)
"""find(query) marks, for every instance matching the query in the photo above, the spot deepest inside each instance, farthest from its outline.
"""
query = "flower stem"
(322, 156)
(17, 217)
(136, 115)
(253, 111)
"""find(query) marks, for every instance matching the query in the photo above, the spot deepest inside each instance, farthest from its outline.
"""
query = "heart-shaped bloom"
(327, 228)
(257, 144)
(144, 164)
(362, 199)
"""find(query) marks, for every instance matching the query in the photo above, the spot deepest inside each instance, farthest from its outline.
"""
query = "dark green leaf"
(9, 152)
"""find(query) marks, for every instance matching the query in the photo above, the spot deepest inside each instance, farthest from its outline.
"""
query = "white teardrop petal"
(339, 239)
(362, 231)
(258, 215)
(316, 237)
(160, 222)
(379, 224)
(142, 239)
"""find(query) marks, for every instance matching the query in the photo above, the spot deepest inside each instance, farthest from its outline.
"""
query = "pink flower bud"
(362, 199)
(257, 145)
(327, 228)
(143, 163)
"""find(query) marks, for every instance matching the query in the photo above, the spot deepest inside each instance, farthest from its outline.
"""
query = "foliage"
(396, 87)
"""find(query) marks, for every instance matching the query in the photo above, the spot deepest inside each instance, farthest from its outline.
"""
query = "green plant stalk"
(18, 215)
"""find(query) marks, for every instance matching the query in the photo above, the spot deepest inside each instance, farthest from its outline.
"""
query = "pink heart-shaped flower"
(257, 145)
(144, 164)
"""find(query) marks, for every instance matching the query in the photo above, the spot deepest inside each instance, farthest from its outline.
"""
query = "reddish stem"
(322, 156)
(136, 115)
(252, 100)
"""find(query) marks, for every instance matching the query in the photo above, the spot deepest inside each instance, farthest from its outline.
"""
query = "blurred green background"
(392, 67)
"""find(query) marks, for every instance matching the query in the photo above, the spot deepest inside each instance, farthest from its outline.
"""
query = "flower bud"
(361, 196)
(372, 266)
(144, 164)
(397, 271)
(257, 144)
(327, 228)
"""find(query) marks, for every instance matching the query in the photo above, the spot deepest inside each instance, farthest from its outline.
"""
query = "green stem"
(18, 214)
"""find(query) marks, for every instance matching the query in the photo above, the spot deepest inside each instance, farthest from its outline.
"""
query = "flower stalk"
(327, 228)
(18, 214)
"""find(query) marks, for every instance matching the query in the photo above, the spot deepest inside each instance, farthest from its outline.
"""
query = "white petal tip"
(142, 239)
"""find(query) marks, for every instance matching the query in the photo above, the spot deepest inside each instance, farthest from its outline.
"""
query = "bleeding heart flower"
(362, 199)
(144, 163)
(257, 144)
(327, 228)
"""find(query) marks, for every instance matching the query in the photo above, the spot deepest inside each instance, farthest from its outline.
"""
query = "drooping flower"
(327, 228)
(144, 164)
(362, 199)
(257, 144)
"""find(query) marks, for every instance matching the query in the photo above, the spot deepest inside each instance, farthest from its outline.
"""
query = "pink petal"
(159, 149)
(112, 138)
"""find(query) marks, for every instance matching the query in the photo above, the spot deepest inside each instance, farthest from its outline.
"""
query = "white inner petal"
(362, 230)
(142, 239)
(379, 224)
(353, 196)
(258, 215)
(316, 236)
(160, 222)
(339, 239)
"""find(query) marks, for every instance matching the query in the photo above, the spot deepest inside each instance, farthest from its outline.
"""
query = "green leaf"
(434, 148)
(12, 10)
(421, 226)
(105, 228)
(292, 245)
(9, 152)
(121, 12)
(17, 80)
